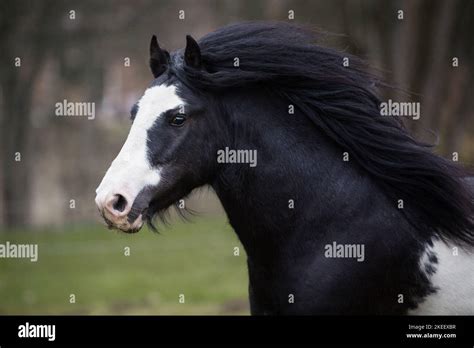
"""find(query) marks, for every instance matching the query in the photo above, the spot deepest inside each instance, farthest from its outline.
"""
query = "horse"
(343, 211)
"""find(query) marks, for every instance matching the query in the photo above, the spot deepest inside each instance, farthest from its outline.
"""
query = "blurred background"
(97, 52)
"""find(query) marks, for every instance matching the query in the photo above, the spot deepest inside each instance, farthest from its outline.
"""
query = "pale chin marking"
(131, 170)
(137, 224)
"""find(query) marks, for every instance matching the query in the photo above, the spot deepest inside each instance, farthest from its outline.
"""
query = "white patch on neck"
(453, 279)
(131, 170)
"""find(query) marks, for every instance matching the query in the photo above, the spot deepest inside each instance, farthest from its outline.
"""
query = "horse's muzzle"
(115, 209)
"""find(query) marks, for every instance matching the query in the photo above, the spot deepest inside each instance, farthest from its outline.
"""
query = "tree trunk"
(23, 36)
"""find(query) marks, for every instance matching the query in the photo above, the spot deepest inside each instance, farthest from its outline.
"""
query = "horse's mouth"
(124, 225)
(142, 211)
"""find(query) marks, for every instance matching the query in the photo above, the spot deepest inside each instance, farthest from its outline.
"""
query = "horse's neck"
(301, 190)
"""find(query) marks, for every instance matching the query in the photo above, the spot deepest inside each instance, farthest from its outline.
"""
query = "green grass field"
(195, 259)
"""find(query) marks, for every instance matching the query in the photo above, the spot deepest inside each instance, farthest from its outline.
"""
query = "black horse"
(339, 209)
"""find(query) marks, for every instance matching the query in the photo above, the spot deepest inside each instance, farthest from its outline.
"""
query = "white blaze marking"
(131, 170)
(454, 281)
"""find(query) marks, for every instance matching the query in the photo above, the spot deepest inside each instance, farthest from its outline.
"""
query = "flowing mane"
(343, 103)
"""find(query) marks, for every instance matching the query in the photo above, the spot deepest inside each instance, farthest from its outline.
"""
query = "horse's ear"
(159, 59)
(192, 53)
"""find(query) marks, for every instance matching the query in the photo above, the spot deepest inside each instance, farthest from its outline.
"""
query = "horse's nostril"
(120, 203)
(116, 206)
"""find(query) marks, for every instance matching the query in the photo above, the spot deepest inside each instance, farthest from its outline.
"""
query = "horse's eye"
(178, 120)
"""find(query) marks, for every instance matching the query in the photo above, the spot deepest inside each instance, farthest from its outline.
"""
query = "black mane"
(343, 103)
